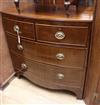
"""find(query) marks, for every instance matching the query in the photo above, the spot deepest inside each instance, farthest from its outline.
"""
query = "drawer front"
(65, 57)
(26, 29)
(61, 56)
(41, 73)
(67, 35)
(53, 74)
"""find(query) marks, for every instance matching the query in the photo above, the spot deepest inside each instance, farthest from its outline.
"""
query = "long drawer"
(50, 76)
(55, 55)
(66, 35)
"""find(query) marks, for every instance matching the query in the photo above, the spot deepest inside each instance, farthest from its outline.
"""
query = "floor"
(22, 92)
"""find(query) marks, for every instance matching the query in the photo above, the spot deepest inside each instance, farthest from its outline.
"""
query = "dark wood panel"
(94, 63)
(70, 35)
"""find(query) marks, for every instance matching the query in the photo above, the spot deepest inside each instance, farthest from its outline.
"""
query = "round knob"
(59, 35)
(23, 66)
(20, 47)
(16, 28)
(60, 56)
(60, 76)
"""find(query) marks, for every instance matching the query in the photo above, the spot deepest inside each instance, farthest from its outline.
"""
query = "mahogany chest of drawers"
(51, 54)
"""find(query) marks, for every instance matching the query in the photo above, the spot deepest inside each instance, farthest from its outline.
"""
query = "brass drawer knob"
(23, 66)
(59, 35)
(60, 76)
(60, 56)
(20, 47)
(16, 28)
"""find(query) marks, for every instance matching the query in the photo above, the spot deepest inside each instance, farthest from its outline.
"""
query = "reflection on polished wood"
(84, 14)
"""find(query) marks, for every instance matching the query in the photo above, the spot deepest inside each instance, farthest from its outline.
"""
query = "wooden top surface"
(28, 11)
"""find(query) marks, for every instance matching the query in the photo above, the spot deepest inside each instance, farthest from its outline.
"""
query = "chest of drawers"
(51, 54)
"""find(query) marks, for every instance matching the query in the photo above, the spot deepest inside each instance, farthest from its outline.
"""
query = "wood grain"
(74, 35)
(94, 64)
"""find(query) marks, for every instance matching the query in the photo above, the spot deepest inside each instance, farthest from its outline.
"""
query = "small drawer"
(66, 35)
(26, 29)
